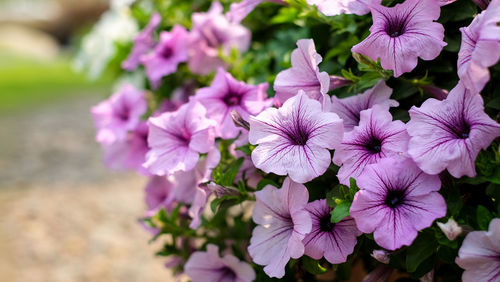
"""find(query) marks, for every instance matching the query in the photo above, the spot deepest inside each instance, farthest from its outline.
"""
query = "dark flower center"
(232, 99)
(123, 113)
(395, 26)
(374, 145)
(227, 274)
(299, 136)
(394, 198)
(325, 223)
(211, 36)
(166, 52)
(463, 132)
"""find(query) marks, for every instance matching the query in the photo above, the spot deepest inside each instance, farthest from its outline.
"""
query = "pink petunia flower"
(376, 137)
(159, 194)
(334, 241)
(210, 267)
(143, 43)
(396, 200)
(212, 31)
(295, 138)
(337, 7)
(381, 256)
(128, 154)
(449, 134)
(480, 48)
(283, 223)
(480, 254)
(401, 34)
(122, 112)
(303, 75)
(167, 55)
(177, 138)
(349, 108)
(227, 94)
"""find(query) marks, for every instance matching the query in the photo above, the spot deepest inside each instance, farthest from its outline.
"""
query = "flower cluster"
(329, 166)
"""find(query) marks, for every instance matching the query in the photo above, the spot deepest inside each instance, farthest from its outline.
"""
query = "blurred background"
(63, 215)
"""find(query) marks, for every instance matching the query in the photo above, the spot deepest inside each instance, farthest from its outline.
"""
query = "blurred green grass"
(27, 83)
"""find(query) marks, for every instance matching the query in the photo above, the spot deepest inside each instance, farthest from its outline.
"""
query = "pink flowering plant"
(313, 140)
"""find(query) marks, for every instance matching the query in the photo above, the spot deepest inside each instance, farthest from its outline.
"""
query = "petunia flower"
(295, 138)
(283, 223)
(167, 55)
(337, 7)
(376, 137)
(401, 34)
(349, 108)
(396, 200)
(479, 254)
(213, 31)
(159, 194)
(480, 48)
(122, 112)
(239, 11)
(210, 267)
(177, 138)
(303, 75)
(128, 154)
(143, 43)
(449, 134)
(334, 241)
(379, 274)
(227, 94)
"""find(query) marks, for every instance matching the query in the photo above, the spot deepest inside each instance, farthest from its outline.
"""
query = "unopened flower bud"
(239, 121)
(450, 229)
(381, 255)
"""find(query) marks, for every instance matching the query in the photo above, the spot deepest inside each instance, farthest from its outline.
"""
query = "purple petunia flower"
(396, 200)
(337, 7)
(295, 138)
(480, 254)
(480, 48)
(227, 94)
(212, 31)
(303, 75)
(122, 112)
(159, 194)
(401, 34)
(449, 134)
(143, 43)
(376, 137)
(210, 267)
(129, 153)
(283, 223)
(239, 11)
(334, 241)
(177, 138)
(446, 2)
(168, 53)
(349, 108)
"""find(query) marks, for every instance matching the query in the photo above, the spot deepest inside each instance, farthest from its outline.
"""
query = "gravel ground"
(63, 216)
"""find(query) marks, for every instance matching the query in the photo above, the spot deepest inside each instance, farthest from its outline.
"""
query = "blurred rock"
(28, 42)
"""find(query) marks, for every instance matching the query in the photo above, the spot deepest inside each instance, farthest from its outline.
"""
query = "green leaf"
(264, 182)
(483, 217)
(228, 176)
(312, 266)
(422, 248)
(340, 211)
